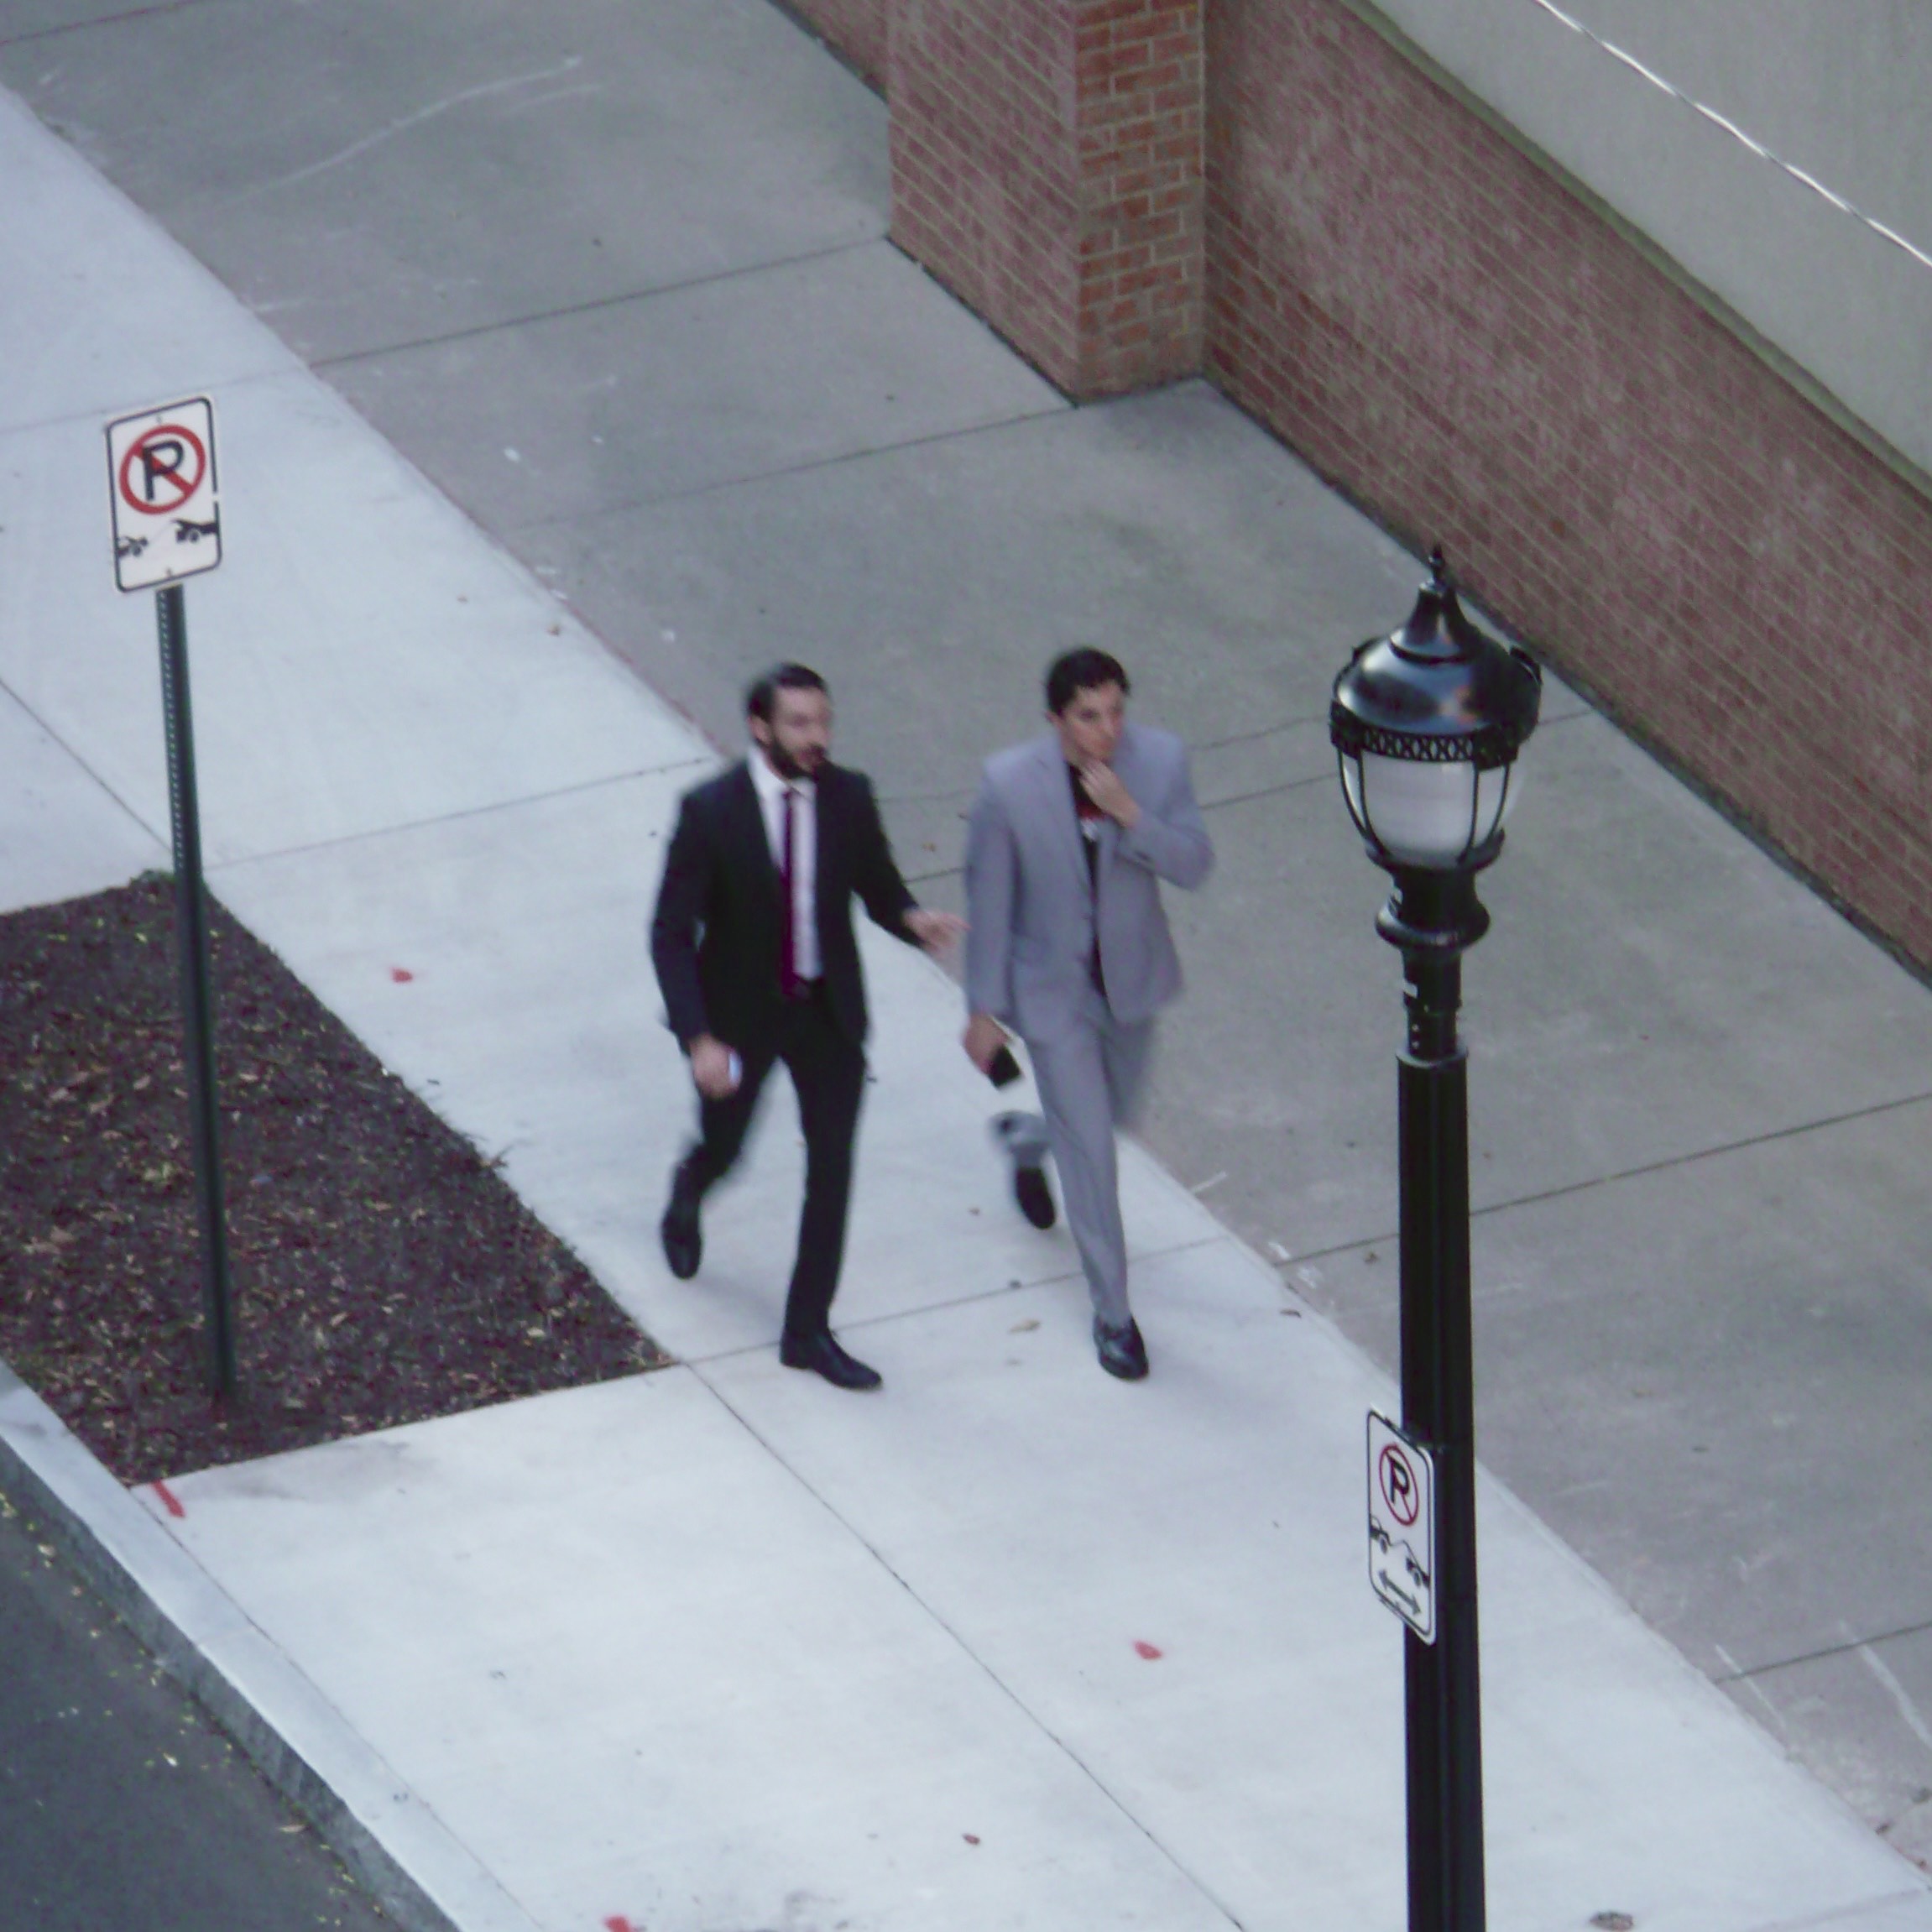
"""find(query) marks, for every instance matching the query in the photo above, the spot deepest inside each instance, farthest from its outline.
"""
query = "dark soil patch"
(382, 1272)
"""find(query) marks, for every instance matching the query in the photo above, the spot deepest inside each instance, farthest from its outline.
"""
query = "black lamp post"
(1427, 724)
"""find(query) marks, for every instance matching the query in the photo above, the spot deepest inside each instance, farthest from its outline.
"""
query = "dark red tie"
(787, 878)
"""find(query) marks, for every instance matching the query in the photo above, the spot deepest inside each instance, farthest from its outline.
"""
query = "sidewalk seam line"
(1712, 1153)
(1742, 1675)
(159, 837)
(808, 467)
(408, 825)
(107, 20)
(591, 305)
(871, 1323)
(967, 1651)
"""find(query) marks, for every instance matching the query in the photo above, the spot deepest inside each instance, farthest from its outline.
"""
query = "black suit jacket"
(715, 935)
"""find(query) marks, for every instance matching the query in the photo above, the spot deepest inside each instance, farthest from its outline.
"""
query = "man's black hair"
(1086, 669)
(763, 694)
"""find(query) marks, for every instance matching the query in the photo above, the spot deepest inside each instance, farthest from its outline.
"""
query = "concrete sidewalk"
(718, 1647)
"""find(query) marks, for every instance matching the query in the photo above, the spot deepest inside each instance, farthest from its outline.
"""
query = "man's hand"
(711, 1070)
(1104, 786)
(935, 931)
(982, 1038)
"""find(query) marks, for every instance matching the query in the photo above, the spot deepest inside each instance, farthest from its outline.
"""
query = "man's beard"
(788, 767)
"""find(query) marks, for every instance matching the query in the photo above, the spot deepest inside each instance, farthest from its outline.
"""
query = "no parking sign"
(161, 481)
(1402, 1525)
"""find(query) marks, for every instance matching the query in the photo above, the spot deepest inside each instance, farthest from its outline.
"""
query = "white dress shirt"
(772, 790)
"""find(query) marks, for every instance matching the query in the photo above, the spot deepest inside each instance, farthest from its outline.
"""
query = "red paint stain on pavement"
(1150, 1651)
(401, 974)
(170, 1499)
(971, 1837)
(617, 1923)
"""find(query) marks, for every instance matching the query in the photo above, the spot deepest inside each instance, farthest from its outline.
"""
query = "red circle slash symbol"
(163, 468)
(1399, 1488)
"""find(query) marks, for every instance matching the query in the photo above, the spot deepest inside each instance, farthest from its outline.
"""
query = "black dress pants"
(828, 1075)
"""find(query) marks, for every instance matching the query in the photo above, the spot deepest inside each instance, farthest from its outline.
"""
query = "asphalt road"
(120, 1805)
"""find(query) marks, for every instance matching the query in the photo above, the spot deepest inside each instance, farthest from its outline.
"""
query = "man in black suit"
(753, 944)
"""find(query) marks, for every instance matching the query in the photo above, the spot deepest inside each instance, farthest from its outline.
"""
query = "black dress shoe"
(823, 1357)
(682, 1234)
(1034, 1196)
(1121, 1350)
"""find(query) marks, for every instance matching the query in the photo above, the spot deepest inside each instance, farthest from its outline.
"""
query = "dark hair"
(764, 691)
(1086, 669)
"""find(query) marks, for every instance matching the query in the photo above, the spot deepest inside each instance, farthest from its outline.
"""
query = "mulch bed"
(383, 1272)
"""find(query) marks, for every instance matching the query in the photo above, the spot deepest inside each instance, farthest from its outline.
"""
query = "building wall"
(1437, 324)
(856, 28)
(1047, 167)
(1839, 91)
(1463, 338)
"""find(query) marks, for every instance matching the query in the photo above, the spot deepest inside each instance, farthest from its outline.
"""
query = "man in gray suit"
(1067, 942)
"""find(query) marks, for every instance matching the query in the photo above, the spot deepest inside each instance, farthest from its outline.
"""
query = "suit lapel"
(1056, 794)
(745, 821)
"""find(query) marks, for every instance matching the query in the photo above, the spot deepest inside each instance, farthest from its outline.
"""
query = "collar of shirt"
(771, 788)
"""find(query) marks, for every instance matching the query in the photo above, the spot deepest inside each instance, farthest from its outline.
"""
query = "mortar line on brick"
(591, 305)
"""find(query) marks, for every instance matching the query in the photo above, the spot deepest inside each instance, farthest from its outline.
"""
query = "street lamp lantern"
(1427, 724)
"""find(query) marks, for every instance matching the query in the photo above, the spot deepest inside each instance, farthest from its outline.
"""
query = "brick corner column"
(1046, 166)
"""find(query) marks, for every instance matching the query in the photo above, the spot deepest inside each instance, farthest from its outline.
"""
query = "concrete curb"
(396, 1845)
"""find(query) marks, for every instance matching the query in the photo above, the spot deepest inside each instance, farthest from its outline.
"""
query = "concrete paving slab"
(101, 313)
(769, 1729)
(62, 834)
(1882, 1688)
(1604, 1025)
(359, 660)
(717, 1591)
(542, 911)
(1707, 1380)
(932, 584)
(1215, 1513)
(774, 368)
(393, 173)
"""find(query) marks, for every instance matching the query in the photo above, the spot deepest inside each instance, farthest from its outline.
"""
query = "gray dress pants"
(1091, 1081)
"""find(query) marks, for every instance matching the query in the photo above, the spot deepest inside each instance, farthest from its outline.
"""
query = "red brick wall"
(1046, 166)
(856, 28)
(1438, 326)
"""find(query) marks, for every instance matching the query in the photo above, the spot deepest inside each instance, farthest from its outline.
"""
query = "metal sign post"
(167, 527)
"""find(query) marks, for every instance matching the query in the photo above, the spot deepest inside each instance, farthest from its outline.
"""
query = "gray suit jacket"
(1031, 914)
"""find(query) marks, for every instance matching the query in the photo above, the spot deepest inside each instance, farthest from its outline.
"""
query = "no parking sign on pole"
(167, 510)
(167, 522)
(1402, 1525)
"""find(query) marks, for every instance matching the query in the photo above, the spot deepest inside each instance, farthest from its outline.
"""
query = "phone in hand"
(1003, 1069)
